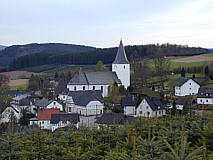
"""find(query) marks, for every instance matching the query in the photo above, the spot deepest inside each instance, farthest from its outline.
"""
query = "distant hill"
(2, 47)
(15, 51)
(107, 55)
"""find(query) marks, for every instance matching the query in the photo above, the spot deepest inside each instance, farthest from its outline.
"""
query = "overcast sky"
(101, 23)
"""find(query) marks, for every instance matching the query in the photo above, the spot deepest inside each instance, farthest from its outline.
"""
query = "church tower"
(122, 66)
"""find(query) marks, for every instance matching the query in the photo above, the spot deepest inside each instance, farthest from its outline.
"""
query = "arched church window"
(83, 87)
(101, 89)
(93, 87)
(75, 88)
(124, 67)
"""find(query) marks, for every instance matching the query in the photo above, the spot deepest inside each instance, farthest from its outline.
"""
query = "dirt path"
(199, 58)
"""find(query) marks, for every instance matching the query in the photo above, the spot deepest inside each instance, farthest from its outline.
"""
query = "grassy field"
(208, 55)
(19, 87)
(184, 64)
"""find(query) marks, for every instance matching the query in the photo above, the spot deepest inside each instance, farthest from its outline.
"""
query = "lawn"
(183, 64)
(208, 55)
(19, 87)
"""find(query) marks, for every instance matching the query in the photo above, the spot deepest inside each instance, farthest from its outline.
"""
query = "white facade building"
(205, 96)
(120, 74)
(47, 103)
(186, 86)
(151, 107)
(10, 114)
(129, 104)
(85, 103)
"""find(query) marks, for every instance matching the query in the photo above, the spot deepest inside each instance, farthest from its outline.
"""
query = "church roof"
(121, 55)
(95, 78)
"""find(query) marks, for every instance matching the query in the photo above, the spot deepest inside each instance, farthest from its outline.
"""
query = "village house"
(109, 119)
(129, 104)
(151, 107)
(85, 103)
(181, 101)
(64, 119)
(120, 74)
(10, 114)
(48, 103)
(23, 103)
(187, 86)
(205, 96)
(44, 117)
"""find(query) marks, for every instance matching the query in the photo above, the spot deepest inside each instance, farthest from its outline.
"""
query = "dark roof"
(71, 117)
(83, 100)
(154, 103)
(112, 118)
(65, 92)
(182, 80)
(90, 78)
(66, 129)
(26, 101)
(129, 101)
(14, 92)
(182, 100)
(121, 55)
(84, 94)
(44, 102)
(205, 93)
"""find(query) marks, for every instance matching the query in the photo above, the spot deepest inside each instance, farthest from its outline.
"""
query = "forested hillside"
(15, 51)
(2, 47)
(107, 55)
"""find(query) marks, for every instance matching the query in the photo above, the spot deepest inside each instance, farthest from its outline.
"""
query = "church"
(102, 80)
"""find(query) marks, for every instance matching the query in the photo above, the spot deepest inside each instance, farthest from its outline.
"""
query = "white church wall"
(123, 73)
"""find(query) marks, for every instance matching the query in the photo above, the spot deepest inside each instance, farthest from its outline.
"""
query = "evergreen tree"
(185, 110)
(183, 73)
(206, 71)
(56, 75)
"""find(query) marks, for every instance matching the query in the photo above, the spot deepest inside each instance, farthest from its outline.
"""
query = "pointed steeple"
(121, 55)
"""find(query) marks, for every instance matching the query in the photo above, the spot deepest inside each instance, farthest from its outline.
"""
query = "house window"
(102, 89)
(63, 96)
(141, 107)
(93, 88)
(189, 83)
(42, 122)
(140, 112)
(83, 87)
(147, 107)
(201, 100)
(189, 88)
(75, 88)
(207, 100)
(54, 103)
(124, 67)
(159, 112)
(69, 109)
(156, 113)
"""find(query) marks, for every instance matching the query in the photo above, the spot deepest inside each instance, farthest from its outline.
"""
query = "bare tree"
(161, 66)
(4, 81)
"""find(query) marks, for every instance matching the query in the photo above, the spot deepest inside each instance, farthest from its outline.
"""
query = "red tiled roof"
(45, 114)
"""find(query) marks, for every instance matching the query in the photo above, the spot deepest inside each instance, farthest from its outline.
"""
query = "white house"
(205, 96)
(187, 86)
(48, 103)
(151, 107)
(44, 117)
(129, 104)
(23, 102)
(102, 80)
(10, 114)
(85, 102)
(181, 101)
(63, 120)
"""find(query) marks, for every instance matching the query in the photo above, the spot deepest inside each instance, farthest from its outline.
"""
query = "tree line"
(106, 55)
